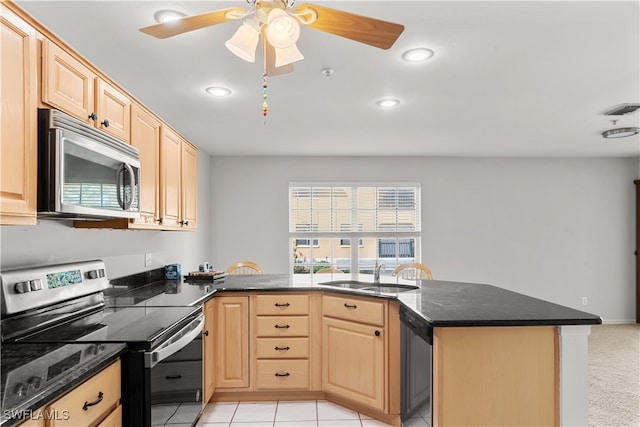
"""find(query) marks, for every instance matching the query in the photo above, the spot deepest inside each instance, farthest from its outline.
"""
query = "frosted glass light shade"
(288, 55)
(244, 42)
(282, 29)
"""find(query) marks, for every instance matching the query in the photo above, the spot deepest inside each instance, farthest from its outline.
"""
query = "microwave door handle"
(152, 358)
(132, 177)
(119, 174)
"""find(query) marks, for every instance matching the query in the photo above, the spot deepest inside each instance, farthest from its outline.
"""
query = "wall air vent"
(622, 109)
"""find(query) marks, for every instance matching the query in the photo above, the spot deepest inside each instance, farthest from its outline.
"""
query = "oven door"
(164, 385)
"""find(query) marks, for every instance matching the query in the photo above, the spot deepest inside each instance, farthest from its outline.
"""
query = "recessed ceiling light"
(620, 133)
(218, 91)
(167, 15)
(387, 103)
(417, 55)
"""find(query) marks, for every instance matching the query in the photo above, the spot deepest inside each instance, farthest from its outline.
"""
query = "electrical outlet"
(147, 260)
(584, 300)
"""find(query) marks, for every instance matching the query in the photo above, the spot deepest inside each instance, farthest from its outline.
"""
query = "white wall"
(53, 241)
(554, 228)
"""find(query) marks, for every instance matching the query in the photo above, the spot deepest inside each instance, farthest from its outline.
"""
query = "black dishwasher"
(416, 339)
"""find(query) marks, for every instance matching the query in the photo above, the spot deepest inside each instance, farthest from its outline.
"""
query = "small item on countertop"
(172, 272)
(205, 267)
(211, 276)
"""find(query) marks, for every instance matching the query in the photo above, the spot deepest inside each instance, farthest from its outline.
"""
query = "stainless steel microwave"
(83, 173)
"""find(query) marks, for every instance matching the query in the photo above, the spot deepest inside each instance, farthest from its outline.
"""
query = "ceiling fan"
(277, 24)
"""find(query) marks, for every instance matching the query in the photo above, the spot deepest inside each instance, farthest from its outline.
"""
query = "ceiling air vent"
(622, 109)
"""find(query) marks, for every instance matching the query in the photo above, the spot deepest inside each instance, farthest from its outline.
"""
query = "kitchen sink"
(368, 286)
(349, 284)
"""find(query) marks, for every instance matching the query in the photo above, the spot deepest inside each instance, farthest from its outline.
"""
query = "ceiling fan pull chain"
(264, 96)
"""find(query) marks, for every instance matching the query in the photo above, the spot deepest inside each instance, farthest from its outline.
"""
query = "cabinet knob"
(160, 220)
(184, 222)
(205, 333)
(377, 333)
(93, 116)
(105, 123)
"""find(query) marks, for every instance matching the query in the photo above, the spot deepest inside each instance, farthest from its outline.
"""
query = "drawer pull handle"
(281, 327)
(173, 377)
(286, 304)
(282, 348)
(350, 305)
(87, 404)
(282, 375)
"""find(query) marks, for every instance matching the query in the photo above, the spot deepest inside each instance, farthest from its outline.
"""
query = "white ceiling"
(509, 78)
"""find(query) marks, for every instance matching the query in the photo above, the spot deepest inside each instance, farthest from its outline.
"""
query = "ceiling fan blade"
(363, 29)
(270, 60)
(189, 23)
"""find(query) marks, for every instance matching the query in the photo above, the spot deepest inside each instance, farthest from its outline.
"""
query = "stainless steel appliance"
(83, 173)
(416, 340)
(64, 304)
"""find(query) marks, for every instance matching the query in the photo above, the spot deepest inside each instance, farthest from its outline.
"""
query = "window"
(325, 218)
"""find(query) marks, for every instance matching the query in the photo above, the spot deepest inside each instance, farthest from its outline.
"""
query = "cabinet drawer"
(114, 419)
(282, 304)
(282, 374)
(103, 388)
(353, 309)
(282, 326)
(282, 348)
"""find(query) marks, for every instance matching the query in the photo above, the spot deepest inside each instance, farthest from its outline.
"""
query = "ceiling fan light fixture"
(282, 29)
(417, 55)
(167, 15)
(218, 91)
(620, 132)
(288, 55)
(387, 103)
(244, 42)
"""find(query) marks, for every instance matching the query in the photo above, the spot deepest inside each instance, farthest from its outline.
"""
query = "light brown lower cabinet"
(293, 346)
(94, 402)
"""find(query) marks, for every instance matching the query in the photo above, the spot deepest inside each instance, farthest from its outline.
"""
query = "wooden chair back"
(329, 270)
(244, 267)
(412, 271)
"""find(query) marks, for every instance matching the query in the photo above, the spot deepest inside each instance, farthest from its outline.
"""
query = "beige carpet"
(614, 376)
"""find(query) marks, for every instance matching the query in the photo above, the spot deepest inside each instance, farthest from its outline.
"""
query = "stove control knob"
(92, 274)
(34, 382)
(35, 285)
(20, 389)
(22, 287)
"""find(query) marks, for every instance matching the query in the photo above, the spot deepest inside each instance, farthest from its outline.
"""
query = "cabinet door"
(114, 111)
(189, 212)
(18, 120)
(232, 342)
(66, 83)
(170, 164)
(145, 136)
(354, 361)
(208, 349)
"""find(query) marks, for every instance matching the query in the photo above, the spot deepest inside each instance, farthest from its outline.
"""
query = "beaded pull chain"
(264, 96)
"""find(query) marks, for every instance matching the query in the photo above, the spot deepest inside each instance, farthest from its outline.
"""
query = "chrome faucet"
(376, 273)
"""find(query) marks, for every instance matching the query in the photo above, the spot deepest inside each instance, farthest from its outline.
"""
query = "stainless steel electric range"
(64, 306)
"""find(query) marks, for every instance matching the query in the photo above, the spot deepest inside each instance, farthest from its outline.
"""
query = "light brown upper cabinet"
(18, 120)
(145, 136)
(70, 86)
(178, 181)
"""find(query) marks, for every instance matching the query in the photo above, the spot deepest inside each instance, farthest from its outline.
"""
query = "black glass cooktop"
(169, 293)
(141, 328)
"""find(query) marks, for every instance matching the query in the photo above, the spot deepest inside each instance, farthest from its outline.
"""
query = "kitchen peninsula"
(499, 357)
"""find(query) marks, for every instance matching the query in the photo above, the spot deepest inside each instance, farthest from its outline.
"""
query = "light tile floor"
(289, 414)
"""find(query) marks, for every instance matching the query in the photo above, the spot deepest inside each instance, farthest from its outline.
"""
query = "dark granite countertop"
(53, 369)
(439, 303)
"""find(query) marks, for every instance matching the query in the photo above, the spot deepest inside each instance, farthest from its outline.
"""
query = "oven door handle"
(178, 341)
